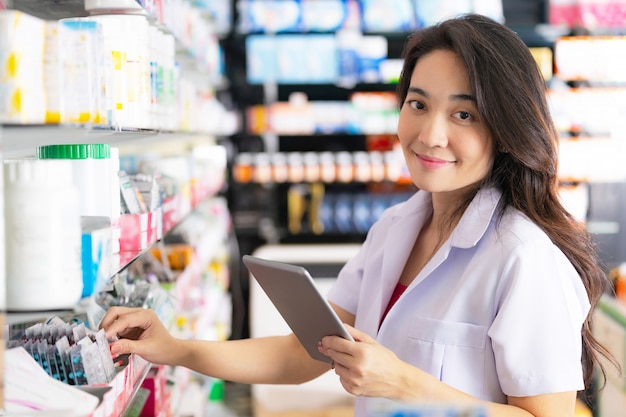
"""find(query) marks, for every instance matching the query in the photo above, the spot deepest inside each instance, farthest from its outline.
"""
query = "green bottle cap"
(216, 393)
(75, 151)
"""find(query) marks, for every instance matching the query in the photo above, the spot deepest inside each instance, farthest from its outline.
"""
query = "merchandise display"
(23, 98)
(114, 71)
(111, 82)
(147, 144)
(591, 14)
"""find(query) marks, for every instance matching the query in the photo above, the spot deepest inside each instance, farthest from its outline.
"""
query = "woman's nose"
(433, 132)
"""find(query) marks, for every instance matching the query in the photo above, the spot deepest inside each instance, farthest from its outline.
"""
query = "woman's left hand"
(365, 367)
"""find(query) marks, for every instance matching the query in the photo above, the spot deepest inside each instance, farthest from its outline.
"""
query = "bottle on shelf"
(43, 236)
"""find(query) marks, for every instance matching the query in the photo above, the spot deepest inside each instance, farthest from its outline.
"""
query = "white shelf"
(50, 9)
(19, 141)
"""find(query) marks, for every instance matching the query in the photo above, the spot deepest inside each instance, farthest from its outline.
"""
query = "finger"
(111, 315)
(358, 335)
(131, 320)
(339, 359)
(121, 347)
(336, 343)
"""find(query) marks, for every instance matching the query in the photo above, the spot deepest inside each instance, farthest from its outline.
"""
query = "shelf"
(50, 9)
(22, 140)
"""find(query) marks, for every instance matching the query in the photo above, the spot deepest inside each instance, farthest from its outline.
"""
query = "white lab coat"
(497, 311)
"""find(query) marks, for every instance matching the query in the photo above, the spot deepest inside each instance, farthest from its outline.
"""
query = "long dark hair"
(511, 99)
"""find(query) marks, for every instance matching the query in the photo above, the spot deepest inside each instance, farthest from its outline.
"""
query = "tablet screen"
(294, 294)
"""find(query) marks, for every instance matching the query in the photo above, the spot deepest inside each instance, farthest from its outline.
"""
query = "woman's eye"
(463, 115)
(418, 105)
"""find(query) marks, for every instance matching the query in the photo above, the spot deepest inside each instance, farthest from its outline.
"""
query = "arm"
(367, 368)
(280, 359)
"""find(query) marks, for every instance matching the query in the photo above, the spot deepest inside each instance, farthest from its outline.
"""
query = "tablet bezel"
(293, 292)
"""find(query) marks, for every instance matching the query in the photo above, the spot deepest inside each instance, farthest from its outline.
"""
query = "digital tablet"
(294, 294)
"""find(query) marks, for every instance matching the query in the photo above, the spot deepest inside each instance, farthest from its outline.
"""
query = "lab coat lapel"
(399, 242)
(468, 232)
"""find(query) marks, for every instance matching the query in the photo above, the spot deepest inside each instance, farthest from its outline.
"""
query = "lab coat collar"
(476, 219)
(406, 223)
(468, 232)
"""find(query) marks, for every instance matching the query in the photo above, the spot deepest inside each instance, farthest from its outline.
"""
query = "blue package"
(96, 252)
(261, 66)
(378, 16)
(327, 213)
(362, 216)
(220, 12)
(268, 16)
(372, 52)
(378, 204)
(323, 15)
(320, 59)
(348, 57)
(430, 12)
(291, 54)
(343, 213)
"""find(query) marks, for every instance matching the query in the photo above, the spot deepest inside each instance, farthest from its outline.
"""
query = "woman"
(477, 288)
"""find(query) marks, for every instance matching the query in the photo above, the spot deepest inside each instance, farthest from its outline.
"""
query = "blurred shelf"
(22, 140)
(50, 9)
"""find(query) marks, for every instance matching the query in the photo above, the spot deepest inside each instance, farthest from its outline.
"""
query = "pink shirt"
(397, 292)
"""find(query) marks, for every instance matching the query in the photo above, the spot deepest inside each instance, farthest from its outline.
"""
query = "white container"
(91, 166)
(22, 93)
(52, 72)
(311, 167)
(114, 65)
(81, 89)
(43, 236)
(328, 171)
(126, 41)
(345, 166)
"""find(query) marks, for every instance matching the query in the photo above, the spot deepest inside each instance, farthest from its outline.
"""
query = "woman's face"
(445, 143)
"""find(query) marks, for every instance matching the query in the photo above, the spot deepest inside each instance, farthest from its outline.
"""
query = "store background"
(243, 140)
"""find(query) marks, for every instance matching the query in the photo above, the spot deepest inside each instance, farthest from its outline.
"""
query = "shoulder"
(514, 228)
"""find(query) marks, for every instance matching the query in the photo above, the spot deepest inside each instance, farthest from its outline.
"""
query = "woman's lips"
(432, 162)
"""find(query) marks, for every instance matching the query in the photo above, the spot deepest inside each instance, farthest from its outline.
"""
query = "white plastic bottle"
(43, 236)
(91, 167)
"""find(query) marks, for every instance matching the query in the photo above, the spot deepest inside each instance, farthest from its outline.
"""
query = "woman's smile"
(430, 162)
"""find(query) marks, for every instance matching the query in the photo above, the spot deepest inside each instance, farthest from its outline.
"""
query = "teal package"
(96, 253)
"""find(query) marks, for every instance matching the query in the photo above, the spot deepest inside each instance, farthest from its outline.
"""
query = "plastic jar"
(279, 167)
(43, 236)
(295, 164)
(345, 167)
(311, 167)
(362, 166)
(328, 172)
(243, 169)
(91, 167)
(262, 172)
(377, 164)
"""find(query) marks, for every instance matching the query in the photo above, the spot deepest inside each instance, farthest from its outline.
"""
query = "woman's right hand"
(139, 331)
